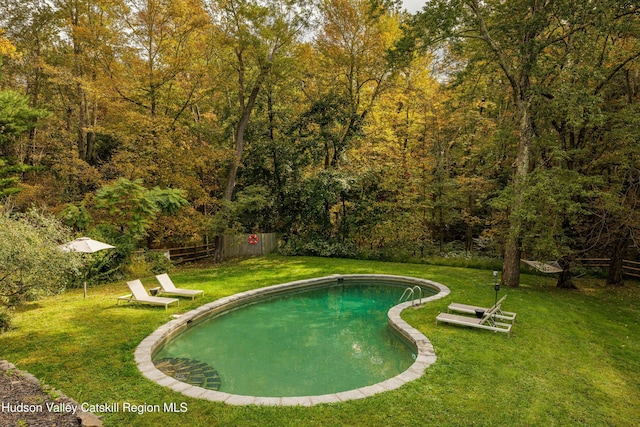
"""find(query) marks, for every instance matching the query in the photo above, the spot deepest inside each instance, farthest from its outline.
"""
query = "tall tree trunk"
(511, 263)
(91, 134)
(87, 121)
(513, 250)
(246, 107)
(565, 277)
(277, 178)
(620, 246)
(520, 86)
(82, 123)
(218, 244)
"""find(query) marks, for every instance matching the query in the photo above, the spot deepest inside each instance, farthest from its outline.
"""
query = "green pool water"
(309, 343)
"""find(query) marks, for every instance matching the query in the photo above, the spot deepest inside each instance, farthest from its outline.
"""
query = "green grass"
(573, 359)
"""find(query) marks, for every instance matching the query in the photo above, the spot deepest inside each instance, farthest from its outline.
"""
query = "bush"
(5, 320)
(148, 263)
(31, 261)
(319, 247)
(137, 266)
(158, 263)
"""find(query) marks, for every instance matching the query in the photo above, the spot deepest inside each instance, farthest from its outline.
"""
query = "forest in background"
(474, 128)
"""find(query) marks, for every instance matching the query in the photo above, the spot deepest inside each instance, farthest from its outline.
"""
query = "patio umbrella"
(85, 245)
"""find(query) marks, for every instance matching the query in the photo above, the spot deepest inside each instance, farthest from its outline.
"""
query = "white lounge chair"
(486, 322)
(507, 316)
(139, 294)
(169, 288)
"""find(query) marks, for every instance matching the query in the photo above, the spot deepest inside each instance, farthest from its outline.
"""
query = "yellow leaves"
(7, 48)
(351, 35)
(389, 30)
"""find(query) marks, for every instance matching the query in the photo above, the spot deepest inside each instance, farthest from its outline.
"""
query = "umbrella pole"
(85, 278)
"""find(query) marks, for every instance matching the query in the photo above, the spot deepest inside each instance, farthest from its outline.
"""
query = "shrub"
(31, 262)
(158, 263)
(320, 247)
(142, 264)
(5, 320)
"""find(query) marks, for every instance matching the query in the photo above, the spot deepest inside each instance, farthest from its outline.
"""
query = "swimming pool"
(256, 369)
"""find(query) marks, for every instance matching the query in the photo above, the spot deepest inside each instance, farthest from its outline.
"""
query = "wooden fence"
(239, 246)
(244, 245)
(629, 268)
(191, 253)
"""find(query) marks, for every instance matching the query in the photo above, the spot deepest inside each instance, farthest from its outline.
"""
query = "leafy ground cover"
(573, 359)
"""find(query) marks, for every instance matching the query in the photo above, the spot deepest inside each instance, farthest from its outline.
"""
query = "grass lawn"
(573, 359)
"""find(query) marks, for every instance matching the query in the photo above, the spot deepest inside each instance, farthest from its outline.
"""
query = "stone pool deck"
(425, 352)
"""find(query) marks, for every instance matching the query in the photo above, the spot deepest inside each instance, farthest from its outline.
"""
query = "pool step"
(190, 371)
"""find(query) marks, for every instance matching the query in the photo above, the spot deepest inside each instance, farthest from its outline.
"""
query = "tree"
(134, 207)
(88, 26)
(16, 118)
(7, 49)
(31, 264)
(587, 122)
(605, 149)
(404, 164)
(350, 71)
(156, 80)
(254, 38)
(345, 74)
(253, 35)
(45, 74)
(519, 38)
(163, 54)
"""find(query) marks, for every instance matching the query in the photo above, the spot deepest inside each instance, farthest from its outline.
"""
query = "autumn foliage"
(348, 127)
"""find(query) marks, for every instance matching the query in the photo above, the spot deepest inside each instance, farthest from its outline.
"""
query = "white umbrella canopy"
(85, 245)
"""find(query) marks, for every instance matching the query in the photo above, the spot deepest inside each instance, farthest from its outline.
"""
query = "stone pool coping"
(426, 354)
